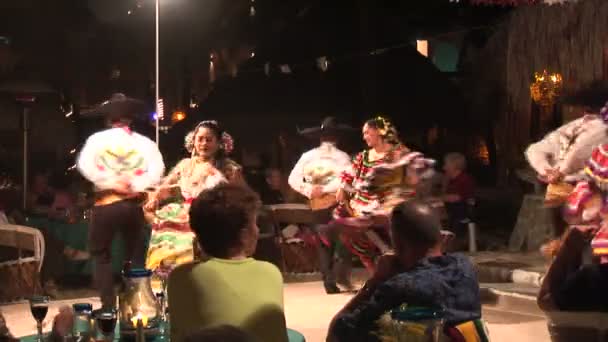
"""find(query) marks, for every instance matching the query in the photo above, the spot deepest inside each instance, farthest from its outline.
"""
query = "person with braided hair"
(380, 178)
(207, 166)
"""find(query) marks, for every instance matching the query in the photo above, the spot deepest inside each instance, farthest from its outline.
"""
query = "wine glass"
(106, 322)
(39, 305)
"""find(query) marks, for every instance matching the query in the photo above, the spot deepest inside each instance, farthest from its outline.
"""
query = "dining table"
(164, 335)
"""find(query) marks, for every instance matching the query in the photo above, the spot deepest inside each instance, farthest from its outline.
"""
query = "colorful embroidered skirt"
(362, 235)
(171, 239)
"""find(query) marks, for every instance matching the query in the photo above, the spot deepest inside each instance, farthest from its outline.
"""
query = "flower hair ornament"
(226, 141)
(386, 129)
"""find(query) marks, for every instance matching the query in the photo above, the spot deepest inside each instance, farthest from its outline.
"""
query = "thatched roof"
(568, 39)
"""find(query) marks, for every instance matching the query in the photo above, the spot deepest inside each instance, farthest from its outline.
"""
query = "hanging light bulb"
(252, 11)
(322, 63)
(267, 69)
(211, 68)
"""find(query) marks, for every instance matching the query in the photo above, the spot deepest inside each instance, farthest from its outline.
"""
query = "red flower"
(139, 172)
(100, 168)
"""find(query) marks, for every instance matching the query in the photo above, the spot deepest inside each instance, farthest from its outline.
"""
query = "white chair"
(21, 273)
(23, 238)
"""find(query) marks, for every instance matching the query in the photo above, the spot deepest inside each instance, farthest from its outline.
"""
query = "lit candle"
(135, 319)
(138, 322)
(139, 318)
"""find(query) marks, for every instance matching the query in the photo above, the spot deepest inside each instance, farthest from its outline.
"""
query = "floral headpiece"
(386, 129)
(226, 141)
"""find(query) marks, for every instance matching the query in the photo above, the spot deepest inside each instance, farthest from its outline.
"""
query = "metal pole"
(26, 124)
(157, 85)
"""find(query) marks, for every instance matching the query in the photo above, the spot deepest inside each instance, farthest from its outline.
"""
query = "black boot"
(331, 288)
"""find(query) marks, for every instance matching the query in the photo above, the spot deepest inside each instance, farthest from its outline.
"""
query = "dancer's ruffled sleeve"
(348, 176)
(342, 163)
(539, 153)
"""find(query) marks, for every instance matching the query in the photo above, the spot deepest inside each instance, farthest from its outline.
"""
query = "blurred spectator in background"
(40, 195)
(271, 191)
(459, 190)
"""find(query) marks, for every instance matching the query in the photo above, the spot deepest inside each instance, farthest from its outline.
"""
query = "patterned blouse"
(368, 195)
(192, 183)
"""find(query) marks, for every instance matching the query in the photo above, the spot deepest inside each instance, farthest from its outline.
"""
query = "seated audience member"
(271, 191)
(229, 287)
(418, 274)
(571, 285)
(222, 333)
(459, 189)
(41, 195)
(8, 201)
(63, 206)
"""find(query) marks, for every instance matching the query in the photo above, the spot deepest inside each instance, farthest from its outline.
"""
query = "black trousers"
(335, 261)
(127, 218)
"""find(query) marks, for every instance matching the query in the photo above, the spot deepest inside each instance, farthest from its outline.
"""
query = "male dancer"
(559, 158)
(316, 175)
(121, 164)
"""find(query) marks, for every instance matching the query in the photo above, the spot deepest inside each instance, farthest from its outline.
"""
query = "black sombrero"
(329, 126)
(118, 106)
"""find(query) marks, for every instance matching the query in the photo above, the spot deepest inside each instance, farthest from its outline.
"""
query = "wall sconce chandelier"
(546, 88)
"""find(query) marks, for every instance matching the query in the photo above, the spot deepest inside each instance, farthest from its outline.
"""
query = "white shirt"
(568, 147)
(320, 166)
(117, 153)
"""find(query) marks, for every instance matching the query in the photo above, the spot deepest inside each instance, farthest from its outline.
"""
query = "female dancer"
(380, 178)
(208, 165)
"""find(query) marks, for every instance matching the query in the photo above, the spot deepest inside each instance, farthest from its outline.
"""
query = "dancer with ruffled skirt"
(380, 178)
(171, 242)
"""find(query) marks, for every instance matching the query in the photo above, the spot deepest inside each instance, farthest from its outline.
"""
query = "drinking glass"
(39, 305)
(106, 323)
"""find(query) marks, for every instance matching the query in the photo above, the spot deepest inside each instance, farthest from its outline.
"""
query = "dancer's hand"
(123, 186)
(151, 204)
(316, 192)
(341, 196)
(552, 176)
